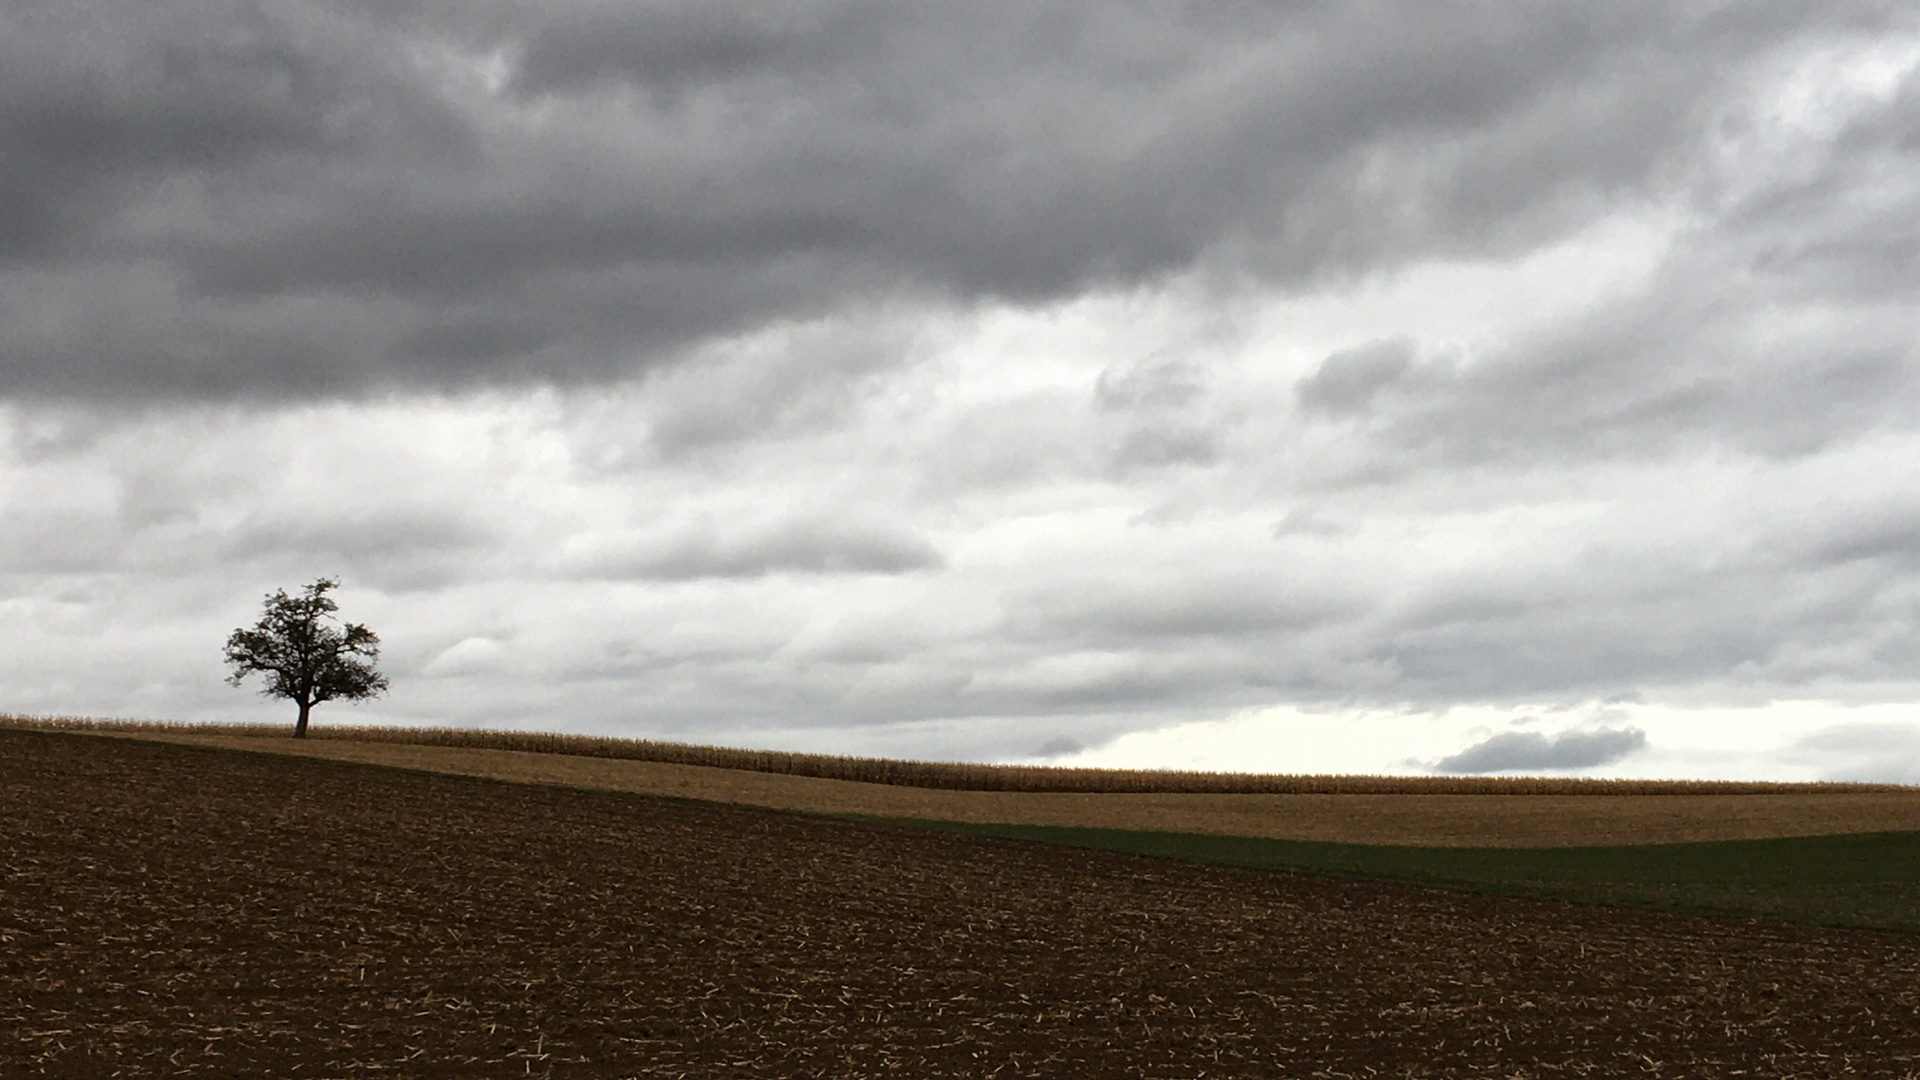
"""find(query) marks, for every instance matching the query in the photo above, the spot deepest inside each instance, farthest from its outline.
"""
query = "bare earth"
(170, 911)
(1436, 820)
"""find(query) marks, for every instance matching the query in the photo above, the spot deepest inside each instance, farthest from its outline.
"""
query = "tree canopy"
(303, 655)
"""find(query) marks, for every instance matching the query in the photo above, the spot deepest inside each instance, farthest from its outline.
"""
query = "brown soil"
(1447, 820)
(179, 911)
(945, 775)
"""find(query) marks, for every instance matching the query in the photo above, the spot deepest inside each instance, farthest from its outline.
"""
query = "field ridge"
(950, 776)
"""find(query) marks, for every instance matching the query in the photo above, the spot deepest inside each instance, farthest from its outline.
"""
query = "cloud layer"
(216, 199)
(969, 381)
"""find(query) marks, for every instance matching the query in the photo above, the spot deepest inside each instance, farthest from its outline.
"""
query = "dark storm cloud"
(1513, 751)
(210, 198)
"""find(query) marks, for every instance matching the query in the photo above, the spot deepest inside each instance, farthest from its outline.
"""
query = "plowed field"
(176, 911)
(1418, 819)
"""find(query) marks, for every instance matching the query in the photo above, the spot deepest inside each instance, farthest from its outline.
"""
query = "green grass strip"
(1861, 880)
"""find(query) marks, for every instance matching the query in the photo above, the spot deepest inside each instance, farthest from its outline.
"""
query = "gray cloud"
(212, 198)
(1778, 325)
(1174, 606)
(1060, 747)
(811, 379)
(58, 541)
(1606, 617)
(1152, 384)
(399, 549)
(1701, 361)
(1347, 381)
(803, 547)
(1303, 521)
(1890, 534)
(1513, 751)
(1163, 413)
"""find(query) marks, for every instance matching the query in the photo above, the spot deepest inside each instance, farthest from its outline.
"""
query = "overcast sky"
(1304, 386)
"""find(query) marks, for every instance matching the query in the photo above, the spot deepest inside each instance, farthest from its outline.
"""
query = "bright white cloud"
(1803, 740)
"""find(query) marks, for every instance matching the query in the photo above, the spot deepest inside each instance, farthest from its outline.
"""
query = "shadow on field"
(1862, 880)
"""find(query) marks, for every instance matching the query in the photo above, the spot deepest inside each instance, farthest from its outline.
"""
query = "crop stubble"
(1462, 820)
(180, 911)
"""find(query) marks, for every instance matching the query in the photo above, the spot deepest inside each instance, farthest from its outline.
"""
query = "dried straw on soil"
(1480, 820)
(171, 911)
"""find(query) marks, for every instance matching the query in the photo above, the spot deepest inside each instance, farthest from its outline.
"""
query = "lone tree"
(303, 656)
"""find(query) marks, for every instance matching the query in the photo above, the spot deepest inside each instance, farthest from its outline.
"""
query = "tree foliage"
(303, 656)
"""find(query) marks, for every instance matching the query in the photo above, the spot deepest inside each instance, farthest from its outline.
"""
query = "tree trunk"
(300, 727)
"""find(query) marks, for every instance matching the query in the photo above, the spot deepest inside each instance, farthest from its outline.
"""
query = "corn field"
(947, 776)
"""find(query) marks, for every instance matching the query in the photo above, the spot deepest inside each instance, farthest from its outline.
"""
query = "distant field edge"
(1866, 875)
(946, 776)
(1856, 880)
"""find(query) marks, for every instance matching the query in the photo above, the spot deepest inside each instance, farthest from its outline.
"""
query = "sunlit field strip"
(954, 776)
